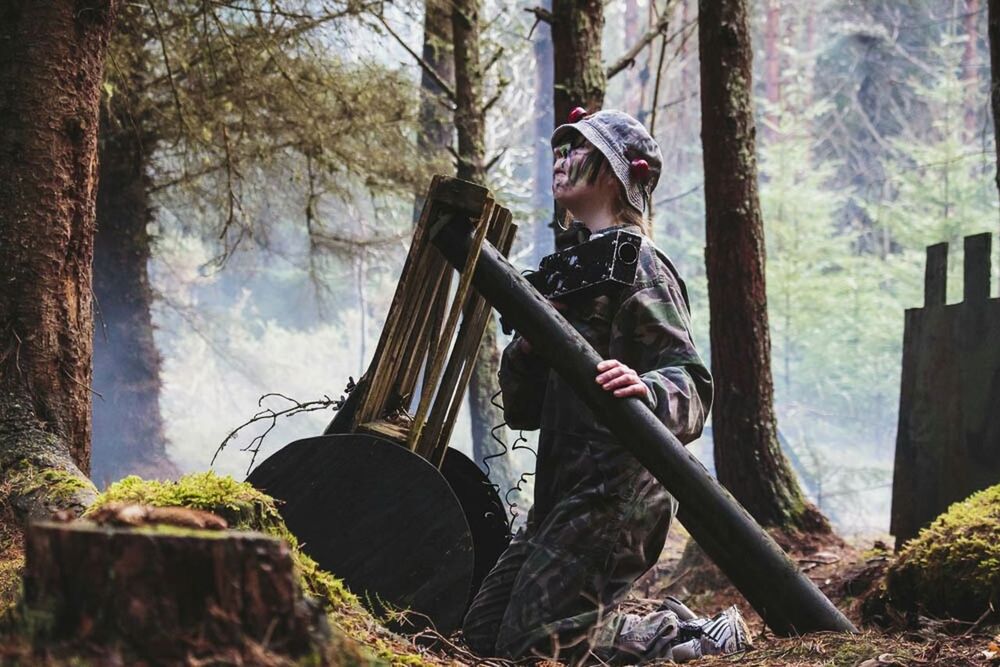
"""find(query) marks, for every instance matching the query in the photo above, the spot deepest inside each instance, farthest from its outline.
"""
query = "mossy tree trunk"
(578, 69)
(128, 427)
(436, 128)
(470, 122)
(51, 64)
(748, 458)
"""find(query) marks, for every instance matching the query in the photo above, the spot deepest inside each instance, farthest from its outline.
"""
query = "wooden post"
(977, 267)
(784, 597)
(936, 275)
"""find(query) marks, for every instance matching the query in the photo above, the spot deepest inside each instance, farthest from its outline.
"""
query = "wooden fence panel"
(948, 441)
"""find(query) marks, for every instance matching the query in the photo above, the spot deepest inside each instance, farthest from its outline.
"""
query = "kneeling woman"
(599, 518)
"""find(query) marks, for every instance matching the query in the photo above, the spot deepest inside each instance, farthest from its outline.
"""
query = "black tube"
(784, 597)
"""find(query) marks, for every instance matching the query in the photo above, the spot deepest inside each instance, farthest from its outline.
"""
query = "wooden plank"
(481, 311)
(463, 359)
(458, 303)
(977, 267)
(936, 275)
(367, 405)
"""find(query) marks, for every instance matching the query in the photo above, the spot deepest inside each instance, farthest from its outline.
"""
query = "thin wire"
(512, 512)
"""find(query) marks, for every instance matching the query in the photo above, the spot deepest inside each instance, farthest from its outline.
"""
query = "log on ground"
(161, 590)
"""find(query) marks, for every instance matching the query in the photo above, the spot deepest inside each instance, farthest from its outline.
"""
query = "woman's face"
(573, 184)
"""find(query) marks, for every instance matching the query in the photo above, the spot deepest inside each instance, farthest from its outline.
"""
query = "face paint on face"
(580, 161)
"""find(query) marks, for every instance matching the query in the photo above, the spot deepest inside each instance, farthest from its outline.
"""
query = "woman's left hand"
(615, 376)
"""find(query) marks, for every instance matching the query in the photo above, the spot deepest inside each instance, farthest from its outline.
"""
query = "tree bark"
(166, 592)
(578, 68)
(470, 121)
(51, 65)
(129, 433)
(436, 130)
(748, 458)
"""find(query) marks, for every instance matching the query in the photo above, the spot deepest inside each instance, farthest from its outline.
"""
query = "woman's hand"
(615, 376)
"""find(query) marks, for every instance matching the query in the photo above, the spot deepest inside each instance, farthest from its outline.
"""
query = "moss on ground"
(952, 568)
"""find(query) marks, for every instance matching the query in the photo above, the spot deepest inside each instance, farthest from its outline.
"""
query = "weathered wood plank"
(936, 275)
(977, 267)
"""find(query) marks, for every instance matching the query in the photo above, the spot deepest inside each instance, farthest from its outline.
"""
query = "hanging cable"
(512, 512)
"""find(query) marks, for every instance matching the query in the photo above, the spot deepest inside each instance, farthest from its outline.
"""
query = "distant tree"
(748, 458)
(52, 58)
(210, 102)
(993, 8)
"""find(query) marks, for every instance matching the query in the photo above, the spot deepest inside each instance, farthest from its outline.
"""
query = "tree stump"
(164, 591)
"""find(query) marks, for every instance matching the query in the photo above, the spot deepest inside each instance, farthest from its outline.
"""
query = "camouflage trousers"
(598, 523)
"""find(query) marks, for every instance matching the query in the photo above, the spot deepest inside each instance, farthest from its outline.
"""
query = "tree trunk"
(51, 66)
(470, 121)
(167, 593)
(541, 228)
(578, 68)
(993, 31)
(128, 427)
(435, 127)
(748, 458)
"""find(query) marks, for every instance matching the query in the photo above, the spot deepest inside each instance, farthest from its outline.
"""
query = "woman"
(600, 519)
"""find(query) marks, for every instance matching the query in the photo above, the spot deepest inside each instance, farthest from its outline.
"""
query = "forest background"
(874, 139)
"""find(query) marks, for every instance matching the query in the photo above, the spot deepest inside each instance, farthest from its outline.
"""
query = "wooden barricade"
(948, 441)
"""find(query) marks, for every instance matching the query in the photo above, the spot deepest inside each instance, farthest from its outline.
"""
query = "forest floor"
(846, 572)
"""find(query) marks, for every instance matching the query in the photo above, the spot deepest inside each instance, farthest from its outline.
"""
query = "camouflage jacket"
(647, 327)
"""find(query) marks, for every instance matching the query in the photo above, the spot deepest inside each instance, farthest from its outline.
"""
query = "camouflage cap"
(622, 139)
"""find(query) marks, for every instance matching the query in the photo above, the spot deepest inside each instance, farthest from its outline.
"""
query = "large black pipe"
(784, 597)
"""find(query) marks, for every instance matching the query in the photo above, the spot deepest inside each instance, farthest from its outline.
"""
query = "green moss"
(243, 507)
(952, 568)
(59, 487)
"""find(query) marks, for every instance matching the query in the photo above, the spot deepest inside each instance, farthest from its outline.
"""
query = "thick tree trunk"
(748, 459)
(436, 128)
(51, 65)
(470, 121)
(128, 427)
(578, 69)
(577, 28)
